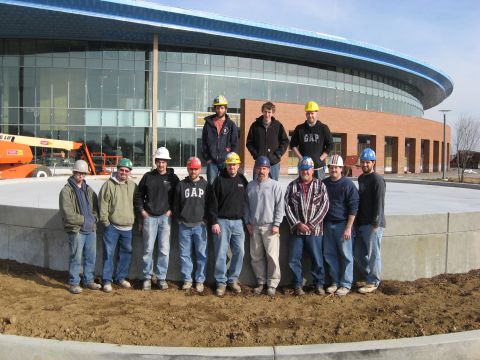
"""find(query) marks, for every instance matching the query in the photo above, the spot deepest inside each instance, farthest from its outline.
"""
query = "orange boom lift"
(16, 156)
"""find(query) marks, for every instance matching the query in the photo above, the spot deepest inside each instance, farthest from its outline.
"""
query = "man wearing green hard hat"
(117, 215)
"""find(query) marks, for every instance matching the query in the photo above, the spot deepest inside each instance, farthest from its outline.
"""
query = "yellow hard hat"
(232, 158)
(311, 106)
(220, 100)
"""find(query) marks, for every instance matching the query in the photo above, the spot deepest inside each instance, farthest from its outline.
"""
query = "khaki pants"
(265, 251)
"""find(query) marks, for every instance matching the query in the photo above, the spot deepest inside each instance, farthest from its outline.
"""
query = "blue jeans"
(232, 235)
(338, 253)
(367, 252)
(319, 173)
(197, 236)
(111, 237)
(314, 246)
(213, 170)
(156, 228)
(83, 251)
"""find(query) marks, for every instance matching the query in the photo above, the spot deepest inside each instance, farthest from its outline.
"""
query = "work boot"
(125, 284)
(360, 284)
(107, 287)
(162, 285)
(299, 291)
(147, 285)
(187, 285)
(235, 287)
(199, 288)
(271, 291)
(220, 292)
(319, 290)
(369, 288)
(258, 290)
(94, 286)
(75, 289)
(332, 288)
(342, 291)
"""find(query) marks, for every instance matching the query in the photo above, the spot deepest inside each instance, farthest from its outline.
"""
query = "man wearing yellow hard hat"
(312, 138)
(219, 137)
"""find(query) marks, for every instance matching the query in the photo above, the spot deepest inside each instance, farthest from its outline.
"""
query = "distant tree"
(467, 140)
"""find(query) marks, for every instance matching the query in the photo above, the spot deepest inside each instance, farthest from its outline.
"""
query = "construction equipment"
(16, 156)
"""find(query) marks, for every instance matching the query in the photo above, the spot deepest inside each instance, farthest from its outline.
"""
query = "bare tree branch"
(467, 140)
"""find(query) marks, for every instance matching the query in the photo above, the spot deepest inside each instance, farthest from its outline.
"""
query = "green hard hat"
(124, 162)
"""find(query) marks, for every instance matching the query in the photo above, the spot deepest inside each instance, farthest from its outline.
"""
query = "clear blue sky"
(444, 34)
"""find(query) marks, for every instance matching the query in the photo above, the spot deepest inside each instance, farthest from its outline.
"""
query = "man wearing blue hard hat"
(306, 204)
(264, 214)
(369, 223)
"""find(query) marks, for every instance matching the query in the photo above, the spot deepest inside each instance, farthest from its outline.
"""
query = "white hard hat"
(336, 160)
(162, 153)
(81, 166)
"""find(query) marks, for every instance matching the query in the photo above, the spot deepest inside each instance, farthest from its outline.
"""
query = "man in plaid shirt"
(306, 204)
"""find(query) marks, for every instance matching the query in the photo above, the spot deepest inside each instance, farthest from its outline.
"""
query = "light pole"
(444, 162)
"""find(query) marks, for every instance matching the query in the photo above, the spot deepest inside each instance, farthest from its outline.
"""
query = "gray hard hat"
(81, 166)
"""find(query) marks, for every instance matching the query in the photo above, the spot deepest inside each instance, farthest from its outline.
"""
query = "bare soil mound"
(35, 302)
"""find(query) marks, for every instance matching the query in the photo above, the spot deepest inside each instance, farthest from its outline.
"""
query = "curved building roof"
(136, 21)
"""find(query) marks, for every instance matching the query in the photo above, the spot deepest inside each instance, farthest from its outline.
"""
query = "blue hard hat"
(306, 163)
(368, 155)
(262, 161)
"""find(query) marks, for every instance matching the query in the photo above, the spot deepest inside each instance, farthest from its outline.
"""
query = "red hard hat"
(194, 163)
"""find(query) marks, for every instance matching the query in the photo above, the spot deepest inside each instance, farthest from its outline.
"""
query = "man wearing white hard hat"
(79, 209)
(154, 202)
(337, 228)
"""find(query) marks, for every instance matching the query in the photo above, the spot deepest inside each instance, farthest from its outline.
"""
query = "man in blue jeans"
(189, 208)
(79, 209)
(117, 215)
(306, 204)
(337, 228)
(226, 209)
(369, 223)
(154, 202)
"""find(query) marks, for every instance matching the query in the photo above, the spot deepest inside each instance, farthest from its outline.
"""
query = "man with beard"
(306, 204)
(219, 137)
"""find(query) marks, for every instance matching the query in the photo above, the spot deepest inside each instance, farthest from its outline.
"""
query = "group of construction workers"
(328, 217)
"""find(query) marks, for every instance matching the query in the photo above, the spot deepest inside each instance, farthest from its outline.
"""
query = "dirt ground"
(35, 302)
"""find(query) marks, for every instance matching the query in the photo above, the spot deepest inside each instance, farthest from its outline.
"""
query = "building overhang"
(131, 21)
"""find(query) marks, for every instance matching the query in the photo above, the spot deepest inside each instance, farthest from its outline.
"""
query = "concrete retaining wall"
(464, 345)
(413, 246)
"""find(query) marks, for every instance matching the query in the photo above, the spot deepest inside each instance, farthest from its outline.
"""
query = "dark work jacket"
(155, 192)
(228, 197)
(216, 147)
(190, 200)
(371, 210)
(271, 142)
(312, 141)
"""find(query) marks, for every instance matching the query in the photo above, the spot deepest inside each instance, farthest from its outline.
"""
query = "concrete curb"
(434, 183)
(462, 345)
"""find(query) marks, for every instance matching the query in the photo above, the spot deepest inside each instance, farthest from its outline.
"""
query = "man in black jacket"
(226, 209)
(219, 137)
(189, 208)
(154, 201)
(312, 138)
(267, 137)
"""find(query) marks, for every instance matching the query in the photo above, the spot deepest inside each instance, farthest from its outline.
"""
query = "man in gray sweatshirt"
(264, 214)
